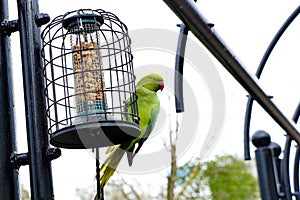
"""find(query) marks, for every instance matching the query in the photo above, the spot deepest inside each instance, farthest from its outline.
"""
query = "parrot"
(148, 109)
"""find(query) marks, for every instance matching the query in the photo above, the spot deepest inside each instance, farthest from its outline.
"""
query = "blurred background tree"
(225, 177)
(229, 178)
(86, 193)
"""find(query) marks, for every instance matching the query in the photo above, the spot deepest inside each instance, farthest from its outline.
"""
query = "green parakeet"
(148, 107)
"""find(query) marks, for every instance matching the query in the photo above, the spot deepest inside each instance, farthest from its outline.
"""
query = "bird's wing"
(132, 151)
(148, 130)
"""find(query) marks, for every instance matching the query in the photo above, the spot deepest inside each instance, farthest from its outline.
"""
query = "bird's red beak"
(161, 85)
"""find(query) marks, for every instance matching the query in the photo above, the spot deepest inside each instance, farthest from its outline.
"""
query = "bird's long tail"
(109, 166)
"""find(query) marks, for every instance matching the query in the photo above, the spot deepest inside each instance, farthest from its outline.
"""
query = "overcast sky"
(246, 26)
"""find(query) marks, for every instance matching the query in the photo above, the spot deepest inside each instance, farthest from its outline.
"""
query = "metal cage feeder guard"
(90, 83)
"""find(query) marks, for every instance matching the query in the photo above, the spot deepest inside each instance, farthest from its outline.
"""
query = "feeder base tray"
(95, 134)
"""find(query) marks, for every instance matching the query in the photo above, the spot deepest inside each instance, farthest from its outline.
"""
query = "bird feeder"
(90, 83)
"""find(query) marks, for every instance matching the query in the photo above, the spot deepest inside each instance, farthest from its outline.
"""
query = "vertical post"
(9, 187)
(36, 121)
(265, 168)
(265, 173)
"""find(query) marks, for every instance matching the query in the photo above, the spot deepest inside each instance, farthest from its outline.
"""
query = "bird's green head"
(153, 82)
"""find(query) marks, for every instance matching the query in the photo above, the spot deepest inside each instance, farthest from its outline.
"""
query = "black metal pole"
(9, 183)
(265, 168)
(187, 11)
(265, 173)
(100, 190)
(36, 121)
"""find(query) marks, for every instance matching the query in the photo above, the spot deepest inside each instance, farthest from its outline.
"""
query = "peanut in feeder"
(88, 79)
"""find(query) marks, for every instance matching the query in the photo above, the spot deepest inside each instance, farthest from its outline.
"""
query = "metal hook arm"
(179, 61)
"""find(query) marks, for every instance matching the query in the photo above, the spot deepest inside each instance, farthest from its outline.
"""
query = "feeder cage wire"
(90, 83)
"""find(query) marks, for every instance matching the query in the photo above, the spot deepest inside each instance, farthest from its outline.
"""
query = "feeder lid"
(95, 134)
(76, 20)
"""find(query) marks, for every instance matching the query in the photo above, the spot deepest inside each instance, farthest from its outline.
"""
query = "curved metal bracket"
(258, 75)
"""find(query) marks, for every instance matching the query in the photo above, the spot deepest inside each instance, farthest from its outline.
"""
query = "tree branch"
(187, 183)
(132, 189)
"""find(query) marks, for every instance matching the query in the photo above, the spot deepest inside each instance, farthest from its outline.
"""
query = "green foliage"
(228, 178)
(25, 194)
(224, 178)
